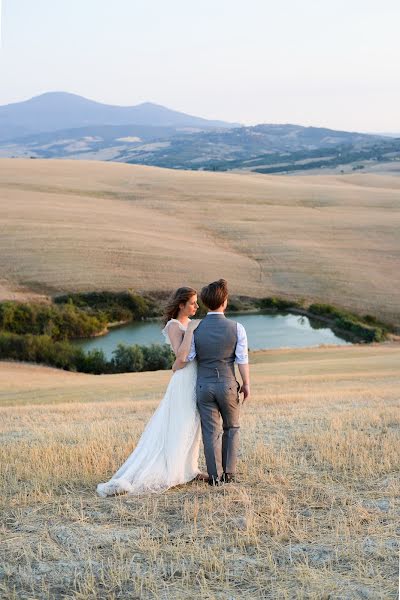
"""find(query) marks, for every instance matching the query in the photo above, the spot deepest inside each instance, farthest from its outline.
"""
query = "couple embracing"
(202, 392)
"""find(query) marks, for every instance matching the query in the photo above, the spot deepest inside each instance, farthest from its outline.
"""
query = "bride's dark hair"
(180, 296)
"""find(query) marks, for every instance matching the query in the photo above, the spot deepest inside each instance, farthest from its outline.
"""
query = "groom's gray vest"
(215, 342)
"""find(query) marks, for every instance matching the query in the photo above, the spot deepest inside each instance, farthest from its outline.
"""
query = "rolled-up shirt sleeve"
(242, 351)
(192, 352)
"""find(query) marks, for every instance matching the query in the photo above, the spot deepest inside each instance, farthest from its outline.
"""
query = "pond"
(281, 330)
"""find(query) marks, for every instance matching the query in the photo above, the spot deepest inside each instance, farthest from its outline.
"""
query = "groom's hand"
(245, 390)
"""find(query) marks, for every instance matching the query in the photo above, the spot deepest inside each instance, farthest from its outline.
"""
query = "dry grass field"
(314, 515)
(80, 225)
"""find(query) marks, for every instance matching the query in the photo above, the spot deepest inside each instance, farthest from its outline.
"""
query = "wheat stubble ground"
(314, 515)
(83, 225)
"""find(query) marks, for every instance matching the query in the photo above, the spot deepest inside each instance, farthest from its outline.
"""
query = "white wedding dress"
(168, 451)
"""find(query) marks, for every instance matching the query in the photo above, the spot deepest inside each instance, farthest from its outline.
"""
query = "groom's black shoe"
(214, 481)
(228, 478)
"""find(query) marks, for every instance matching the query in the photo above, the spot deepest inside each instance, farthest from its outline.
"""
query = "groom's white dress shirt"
(241, 351)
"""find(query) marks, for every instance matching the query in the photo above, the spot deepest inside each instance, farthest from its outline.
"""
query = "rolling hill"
(88, 225)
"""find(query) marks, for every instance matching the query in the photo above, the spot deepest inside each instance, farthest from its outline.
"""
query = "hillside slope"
(82, 225)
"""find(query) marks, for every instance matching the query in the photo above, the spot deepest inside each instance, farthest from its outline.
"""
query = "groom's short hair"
(214, 294)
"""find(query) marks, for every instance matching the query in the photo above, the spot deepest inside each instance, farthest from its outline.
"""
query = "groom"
(218, 343)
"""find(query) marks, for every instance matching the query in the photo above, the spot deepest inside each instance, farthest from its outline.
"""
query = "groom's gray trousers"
(217, 392)
(216, 398)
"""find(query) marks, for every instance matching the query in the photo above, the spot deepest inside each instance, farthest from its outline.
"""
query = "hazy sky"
(332, 63)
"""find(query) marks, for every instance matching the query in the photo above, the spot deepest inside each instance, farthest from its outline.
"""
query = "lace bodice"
(165, 330)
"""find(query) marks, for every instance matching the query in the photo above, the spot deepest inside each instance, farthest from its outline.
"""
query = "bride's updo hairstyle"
(180, 296)
(214, 294)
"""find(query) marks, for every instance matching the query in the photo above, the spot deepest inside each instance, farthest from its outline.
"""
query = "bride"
(168, 450)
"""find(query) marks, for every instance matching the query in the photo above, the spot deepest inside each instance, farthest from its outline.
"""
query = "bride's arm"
(181, 343)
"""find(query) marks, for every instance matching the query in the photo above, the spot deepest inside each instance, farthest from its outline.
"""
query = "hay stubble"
(313, 516)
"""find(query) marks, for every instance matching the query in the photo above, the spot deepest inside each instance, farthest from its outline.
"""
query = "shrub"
(127, 359)
(59, 322)
(71, 322)
(10, 346)
(366, 328)
(325, 310)
(93, 361)
(276, 303)
(234, 305)
(64, 355)
(158, 357)
(40, 349)
(117, 306)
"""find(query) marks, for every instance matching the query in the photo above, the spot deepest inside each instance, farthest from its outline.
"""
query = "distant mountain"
(54, 111)
(174, 140)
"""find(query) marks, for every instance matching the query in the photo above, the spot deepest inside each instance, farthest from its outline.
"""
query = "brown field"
(81, 225)
(314, 515)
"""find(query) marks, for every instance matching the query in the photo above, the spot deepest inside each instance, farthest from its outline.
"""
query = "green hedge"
(39, 349)
(58, 322)
(118, 306)
(367, 328)
(74, 315)
(142, 358)
(64, 355)
(275, 303)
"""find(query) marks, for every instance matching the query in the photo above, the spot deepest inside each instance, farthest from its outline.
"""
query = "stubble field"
(82, 225)
(314, 516)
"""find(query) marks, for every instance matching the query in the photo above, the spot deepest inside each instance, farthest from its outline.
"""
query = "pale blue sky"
(312, 62)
